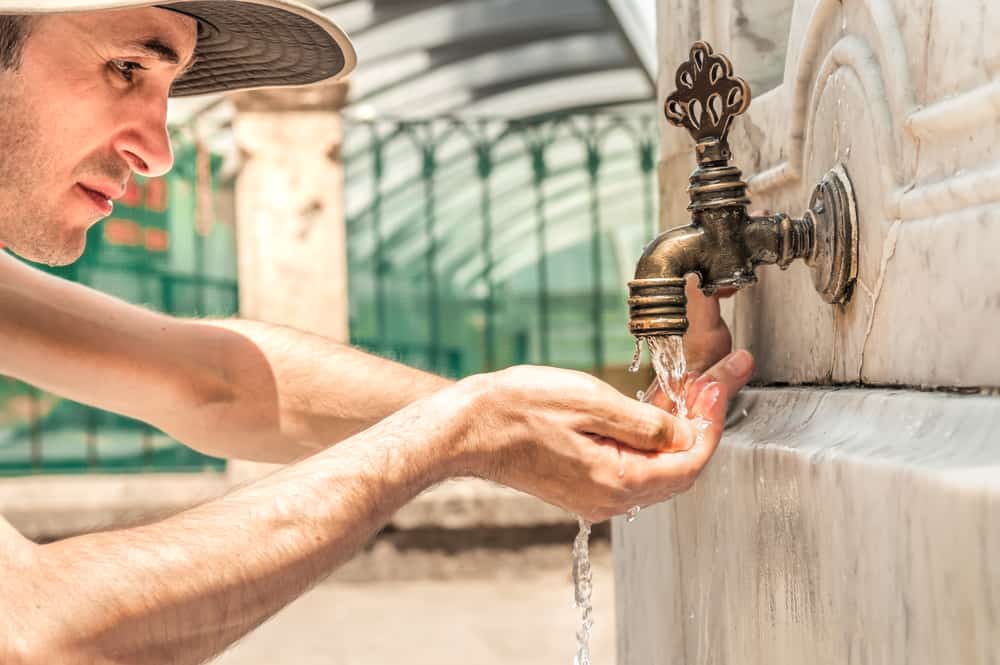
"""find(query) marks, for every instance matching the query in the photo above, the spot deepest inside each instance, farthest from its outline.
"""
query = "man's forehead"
(160, 32)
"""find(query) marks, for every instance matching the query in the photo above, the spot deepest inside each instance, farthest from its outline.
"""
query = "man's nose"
(143, 141)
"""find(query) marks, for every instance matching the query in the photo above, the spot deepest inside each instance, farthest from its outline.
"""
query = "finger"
(657, 397)
(702, 311)
(705, 430)
(635, 424)
(707, 338)
(654, 477)
(732, 372)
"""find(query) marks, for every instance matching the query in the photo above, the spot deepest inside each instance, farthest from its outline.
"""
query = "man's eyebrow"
(157, 48)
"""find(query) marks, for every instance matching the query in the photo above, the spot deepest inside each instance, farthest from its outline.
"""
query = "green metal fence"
(150, 252)
(475, 245)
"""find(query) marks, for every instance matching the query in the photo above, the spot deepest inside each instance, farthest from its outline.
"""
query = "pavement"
(473, 607)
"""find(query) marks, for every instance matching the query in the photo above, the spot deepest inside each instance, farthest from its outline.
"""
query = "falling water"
(667, 354)
(636, 358)
(582, 589)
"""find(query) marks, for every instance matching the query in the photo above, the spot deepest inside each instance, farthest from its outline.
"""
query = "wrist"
(466, 449)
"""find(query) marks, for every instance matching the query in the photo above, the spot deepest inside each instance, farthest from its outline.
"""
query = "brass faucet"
(723, 244)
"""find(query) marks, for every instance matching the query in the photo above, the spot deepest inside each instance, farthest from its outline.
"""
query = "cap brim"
(241, 43)
(261, 43)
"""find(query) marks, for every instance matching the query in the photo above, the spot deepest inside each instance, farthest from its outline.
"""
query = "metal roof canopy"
(514, 59)
(508, 58)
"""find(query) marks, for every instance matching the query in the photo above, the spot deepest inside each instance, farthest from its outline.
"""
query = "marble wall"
(833, 527)
(852, 526)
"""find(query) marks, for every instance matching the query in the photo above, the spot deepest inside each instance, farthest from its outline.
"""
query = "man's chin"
(54, 255)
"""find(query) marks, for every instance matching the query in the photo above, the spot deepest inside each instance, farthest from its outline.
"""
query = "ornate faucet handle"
(708, 96)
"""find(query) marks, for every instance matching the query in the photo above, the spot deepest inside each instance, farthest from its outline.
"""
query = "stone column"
(291, 240)
(290, 208)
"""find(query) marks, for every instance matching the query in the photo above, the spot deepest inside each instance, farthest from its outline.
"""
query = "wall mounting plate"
(834, 213)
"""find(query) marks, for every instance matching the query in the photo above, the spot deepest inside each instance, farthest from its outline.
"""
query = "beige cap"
(241, 43)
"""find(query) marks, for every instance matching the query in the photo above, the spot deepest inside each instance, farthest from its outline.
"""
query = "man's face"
(86, 109)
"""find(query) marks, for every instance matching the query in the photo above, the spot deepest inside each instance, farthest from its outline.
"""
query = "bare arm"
(181, 590)
(228, 388)
(318, 392)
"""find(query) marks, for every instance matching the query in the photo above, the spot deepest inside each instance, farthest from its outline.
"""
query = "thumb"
(732, 372)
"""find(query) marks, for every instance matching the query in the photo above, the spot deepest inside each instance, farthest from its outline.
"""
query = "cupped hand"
(574, 441)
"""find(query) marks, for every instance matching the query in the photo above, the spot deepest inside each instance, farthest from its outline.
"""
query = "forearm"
(230, 388)
(181, 590)
(290, 393)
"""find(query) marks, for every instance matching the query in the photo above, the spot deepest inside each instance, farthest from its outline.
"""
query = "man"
(83, 95)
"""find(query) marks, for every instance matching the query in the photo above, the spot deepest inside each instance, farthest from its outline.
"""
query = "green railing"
(150, 252)
(474, 245)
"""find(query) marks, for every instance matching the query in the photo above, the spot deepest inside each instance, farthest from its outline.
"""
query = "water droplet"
(746, 414)
(632, 513)
(640, 395)
(636, 358)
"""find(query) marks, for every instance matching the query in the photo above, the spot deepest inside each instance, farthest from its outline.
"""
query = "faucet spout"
(657, 304)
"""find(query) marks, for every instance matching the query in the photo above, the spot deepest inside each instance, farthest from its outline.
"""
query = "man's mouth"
(101, 200)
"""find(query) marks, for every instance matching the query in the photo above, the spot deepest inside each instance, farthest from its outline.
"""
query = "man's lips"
(100, 198)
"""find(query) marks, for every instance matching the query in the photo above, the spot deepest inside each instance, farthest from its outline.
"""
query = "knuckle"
(515, 373)
(636, 479)
(663, 430)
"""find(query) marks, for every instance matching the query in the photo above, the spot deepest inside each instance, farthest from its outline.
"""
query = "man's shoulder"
(13, 270)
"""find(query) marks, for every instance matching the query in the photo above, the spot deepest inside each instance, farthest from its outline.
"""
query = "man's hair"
(13, 33)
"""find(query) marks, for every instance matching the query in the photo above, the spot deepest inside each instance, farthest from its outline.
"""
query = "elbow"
(673, 254)
(26, 649)
(32, 633)
(46, 650)
(32, 626)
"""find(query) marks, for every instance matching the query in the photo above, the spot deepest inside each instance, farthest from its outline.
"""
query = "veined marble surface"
(906, 95)
(832, 526)
(857, 526)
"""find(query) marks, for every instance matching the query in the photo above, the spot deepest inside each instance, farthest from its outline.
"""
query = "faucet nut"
(657, 306)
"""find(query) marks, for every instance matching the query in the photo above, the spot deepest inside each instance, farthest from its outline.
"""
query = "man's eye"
(126, 68)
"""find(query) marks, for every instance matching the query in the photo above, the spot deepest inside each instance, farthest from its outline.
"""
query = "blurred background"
(474, 197)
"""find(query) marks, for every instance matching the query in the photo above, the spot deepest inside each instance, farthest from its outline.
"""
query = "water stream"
(582, 591)
(667, 355)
